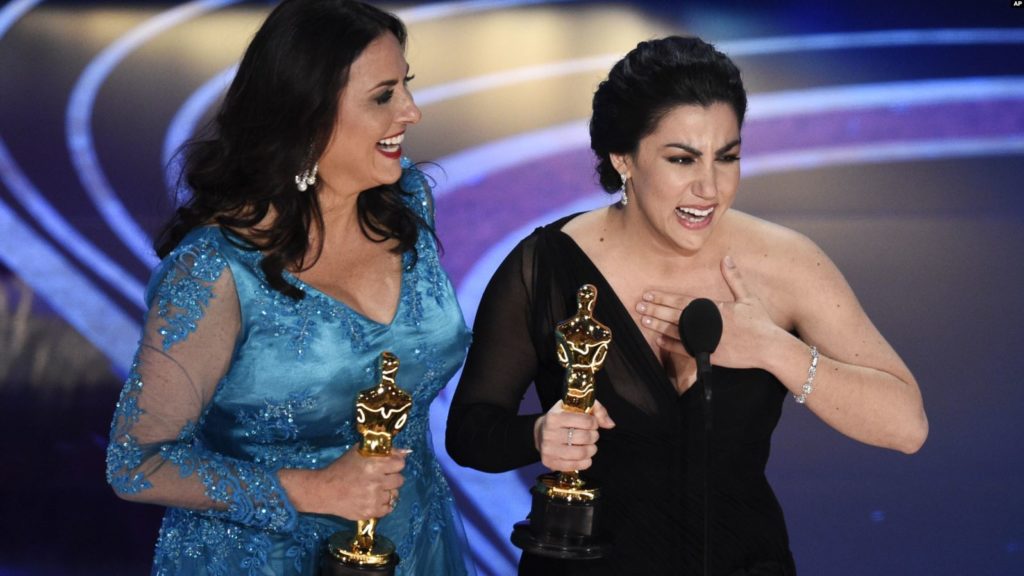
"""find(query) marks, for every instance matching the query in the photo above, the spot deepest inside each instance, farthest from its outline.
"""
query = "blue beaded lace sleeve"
(156, 451)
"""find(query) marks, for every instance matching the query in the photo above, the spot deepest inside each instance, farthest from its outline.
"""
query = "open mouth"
(695, 215)
(392, 145)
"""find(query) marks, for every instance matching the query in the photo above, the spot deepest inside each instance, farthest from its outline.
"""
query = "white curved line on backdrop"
(186, 119)
(43, 268)
(473, 164)
(43, 212)
(79, 130)
(883, 95)
(63, 232)
(13, 12)
(873, 39)
(445, 9)
(881, 153)
(450, 90)
(66, 290)
(753, 47)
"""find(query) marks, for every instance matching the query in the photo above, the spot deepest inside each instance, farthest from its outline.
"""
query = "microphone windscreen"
(700, 326)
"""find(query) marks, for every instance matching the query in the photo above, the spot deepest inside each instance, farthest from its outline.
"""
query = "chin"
(691, 245)
(391, 174)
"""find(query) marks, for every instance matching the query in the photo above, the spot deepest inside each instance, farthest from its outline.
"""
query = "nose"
(706, 185)
(410, 112)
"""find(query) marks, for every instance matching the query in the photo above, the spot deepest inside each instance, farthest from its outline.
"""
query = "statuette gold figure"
(564, 518)
(381, 413)
(582, 347)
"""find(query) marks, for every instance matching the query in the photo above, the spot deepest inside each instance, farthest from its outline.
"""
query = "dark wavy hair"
(275, 121)
(646, 84)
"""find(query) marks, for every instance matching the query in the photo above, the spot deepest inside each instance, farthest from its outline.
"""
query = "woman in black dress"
(666, 132)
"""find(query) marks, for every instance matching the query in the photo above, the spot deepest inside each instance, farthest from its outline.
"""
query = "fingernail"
(647, 320)
(648, 296)
(641, 307)
(729, 263)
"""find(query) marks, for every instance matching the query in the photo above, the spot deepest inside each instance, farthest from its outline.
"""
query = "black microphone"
(700, 329)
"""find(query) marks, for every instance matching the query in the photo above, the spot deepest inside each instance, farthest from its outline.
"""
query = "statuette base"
(343, 560)
(559, 527)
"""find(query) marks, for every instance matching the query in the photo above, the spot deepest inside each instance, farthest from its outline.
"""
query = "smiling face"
(374, 109)
(683, 176)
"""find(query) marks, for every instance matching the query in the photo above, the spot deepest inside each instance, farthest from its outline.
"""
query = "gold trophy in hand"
(563, 520)
(381, 413)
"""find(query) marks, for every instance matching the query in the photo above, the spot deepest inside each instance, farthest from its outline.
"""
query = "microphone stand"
(704, 376)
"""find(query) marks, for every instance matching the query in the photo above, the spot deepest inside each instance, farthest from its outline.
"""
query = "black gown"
(651, 465)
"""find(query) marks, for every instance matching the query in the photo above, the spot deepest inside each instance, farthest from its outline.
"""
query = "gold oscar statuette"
(381, 413)
(563, 520)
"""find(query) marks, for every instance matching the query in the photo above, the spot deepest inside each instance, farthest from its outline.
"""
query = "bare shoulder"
(763, 244)
(585, 225)
(589, 231)
(789, 269)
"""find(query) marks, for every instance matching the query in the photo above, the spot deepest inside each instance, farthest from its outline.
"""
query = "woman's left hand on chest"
(747, 328)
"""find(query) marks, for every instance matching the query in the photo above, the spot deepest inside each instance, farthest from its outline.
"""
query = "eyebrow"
(386, 83)
(698, 153)
(390, 83)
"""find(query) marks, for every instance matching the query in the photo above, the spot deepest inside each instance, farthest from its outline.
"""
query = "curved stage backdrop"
(893, 135)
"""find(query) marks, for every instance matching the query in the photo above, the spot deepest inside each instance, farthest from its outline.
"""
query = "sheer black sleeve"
(485, 430)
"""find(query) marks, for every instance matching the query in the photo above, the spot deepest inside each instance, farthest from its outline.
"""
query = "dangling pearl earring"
(307, 178)
(624, 200)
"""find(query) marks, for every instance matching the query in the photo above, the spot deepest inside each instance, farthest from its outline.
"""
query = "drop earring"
(307, 178)
(624, 199)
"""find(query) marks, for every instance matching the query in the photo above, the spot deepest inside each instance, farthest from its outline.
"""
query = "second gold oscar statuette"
(381, 413)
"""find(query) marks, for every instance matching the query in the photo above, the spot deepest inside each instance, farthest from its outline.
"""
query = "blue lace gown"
(234, 381)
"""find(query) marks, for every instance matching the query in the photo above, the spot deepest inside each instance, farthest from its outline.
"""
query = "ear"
(621, 163)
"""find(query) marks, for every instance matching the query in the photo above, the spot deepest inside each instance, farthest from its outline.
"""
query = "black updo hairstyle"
(646, 84)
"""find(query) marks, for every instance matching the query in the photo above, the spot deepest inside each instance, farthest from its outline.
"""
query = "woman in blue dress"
(305, 250)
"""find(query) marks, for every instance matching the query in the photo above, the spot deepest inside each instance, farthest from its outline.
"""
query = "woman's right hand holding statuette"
(568, 440)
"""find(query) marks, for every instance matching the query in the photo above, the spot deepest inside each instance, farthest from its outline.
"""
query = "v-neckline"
(337, 302)
(309, 288)
(634, 330)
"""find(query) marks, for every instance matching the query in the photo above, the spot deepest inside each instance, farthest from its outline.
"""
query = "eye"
(729, 158)
(388, 94)
(684, 160)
